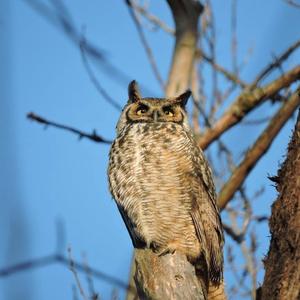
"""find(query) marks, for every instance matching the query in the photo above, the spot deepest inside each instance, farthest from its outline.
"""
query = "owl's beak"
(155, 115)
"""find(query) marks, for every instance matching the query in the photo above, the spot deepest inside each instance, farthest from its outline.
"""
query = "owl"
(162, 183)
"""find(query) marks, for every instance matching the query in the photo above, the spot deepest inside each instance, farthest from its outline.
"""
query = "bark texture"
(167, 277)
(282, 265)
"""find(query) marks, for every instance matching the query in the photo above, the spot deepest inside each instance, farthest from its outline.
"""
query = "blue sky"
(49, 174)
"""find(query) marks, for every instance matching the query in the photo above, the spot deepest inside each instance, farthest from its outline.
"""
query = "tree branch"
(186, 15)
(59, 17)
(93, 136)
(167, 277)
(230, 76)
(285, 55)
(61, 259)
(157, 22)
(94, 80)
(292, 3)
(74, 271)
(145, 43)
(259, 148)
(152, 18)
(244, 103)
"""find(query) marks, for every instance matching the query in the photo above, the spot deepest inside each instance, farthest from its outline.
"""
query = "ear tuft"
(133, 92)
(183, 98)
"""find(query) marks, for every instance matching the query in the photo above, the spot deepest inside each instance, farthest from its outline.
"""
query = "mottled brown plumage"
(162, 183)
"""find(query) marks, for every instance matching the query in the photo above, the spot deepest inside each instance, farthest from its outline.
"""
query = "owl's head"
(153, 110)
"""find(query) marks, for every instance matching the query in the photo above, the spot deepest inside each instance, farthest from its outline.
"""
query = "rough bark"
(167, 277)
(282, 265)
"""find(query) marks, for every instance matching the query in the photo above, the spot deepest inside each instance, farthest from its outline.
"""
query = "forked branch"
(258, 149)
(244, 103)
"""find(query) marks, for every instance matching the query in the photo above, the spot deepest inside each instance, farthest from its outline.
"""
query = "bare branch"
(94, 80)
(156, 21)
(145, 43)
(59, 17)
(259, 148)
(60, 259)
(277, 63)
(92, 293)
(152, 18)
(245, 103)
(234, 36)
(236, 236)
(292, 3)
(73, 270)
(186, 16)
(196, 90)
(93, 137)
(210, 35)
(230, 76)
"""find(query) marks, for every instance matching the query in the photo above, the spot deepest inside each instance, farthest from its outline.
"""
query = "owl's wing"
(206, 218)
(137, 243)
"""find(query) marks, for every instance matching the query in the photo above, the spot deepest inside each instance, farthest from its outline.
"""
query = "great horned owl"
(162, 183)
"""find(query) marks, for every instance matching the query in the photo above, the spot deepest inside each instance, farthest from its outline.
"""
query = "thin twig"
(230, 76)
(276, 63)
(93, 136)
(94, 80)
(234, 37)
(145, 43)
(75, 293)
(211, 39)
(73, 270)
(196, 99)
(152, 18)
(293, 3)
(89, 278)
(236, 236)
(59, 17)
(239, 278)
(259, 148)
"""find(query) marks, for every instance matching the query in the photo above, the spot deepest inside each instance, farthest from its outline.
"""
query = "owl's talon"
(155, 247)
(166, 251)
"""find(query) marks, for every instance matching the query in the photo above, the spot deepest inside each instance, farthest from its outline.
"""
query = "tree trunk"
(167, 277)
(186, 15)
(282, 265)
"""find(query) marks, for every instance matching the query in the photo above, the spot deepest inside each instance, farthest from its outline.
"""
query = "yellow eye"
(168, 111)
(142, 109)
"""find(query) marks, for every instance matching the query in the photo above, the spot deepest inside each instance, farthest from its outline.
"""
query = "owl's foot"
(160, 251)
(166, 251)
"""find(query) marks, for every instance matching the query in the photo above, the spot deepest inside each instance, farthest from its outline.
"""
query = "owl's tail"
(210, 235)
